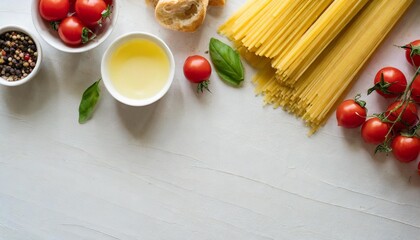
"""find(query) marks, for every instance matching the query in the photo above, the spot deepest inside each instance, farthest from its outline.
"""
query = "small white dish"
(51, 37)
(109, 83)
(37, 64)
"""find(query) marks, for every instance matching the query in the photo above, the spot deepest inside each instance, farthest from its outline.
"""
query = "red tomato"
(91, 12)
(412, 53)
(72, 31)
(374, 131)
(405, 149)
(407, 111)
(350, 114)
(54, 10)
(415, 90)
(197, 69)
(72, 9)
(389, 82)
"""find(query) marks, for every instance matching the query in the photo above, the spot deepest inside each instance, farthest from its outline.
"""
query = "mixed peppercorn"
(18, 55)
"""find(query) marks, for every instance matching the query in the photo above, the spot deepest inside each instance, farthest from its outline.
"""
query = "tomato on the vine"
(91, 12)
(389, 82)
(54, 10)
(375, 131)
(73, 32)
(407, 111)
(415, 90)
(405, 149)
(351, 113)
(197, 69)
(412, 53)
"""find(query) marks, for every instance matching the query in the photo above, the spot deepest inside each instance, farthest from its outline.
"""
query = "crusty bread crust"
(211, 2)
(152, 2)
(215, 2)
(181, 15)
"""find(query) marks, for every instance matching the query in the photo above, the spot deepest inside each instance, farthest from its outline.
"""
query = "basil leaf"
(226, 61)
(89, 100)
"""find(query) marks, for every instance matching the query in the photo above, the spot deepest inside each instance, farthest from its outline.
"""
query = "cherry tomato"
(72, 9)
(54, 10)
(415, 90)
(350, 114)
(374, 131)
(412, 53)
(407, 111)
(72, 31)
(197, 69)
(91, 11)
(405, 149)
(389, 82)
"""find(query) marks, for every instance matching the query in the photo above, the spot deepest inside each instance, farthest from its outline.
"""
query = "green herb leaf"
(89, 100)
(226, 61)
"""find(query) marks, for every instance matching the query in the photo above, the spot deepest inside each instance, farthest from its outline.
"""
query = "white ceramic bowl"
(51, 37)
(106, 78)
(37, 64)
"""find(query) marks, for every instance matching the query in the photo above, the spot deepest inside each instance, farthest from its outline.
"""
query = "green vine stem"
(405, 100)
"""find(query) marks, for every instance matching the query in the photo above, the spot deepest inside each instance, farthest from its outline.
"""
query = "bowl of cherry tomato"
(74, 26)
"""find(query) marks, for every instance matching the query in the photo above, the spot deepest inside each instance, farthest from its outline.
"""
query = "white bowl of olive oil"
(138, 68)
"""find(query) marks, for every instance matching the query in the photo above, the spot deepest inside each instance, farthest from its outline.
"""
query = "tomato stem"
(358, 101)
(414, 50)
(381, 85)
(107, 12)
(384, 147)
(404, 102)
(87, 35)
(54, 25)
(203, 85)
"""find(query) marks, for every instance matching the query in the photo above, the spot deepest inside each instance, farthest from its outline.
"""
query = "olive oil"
(139, 68)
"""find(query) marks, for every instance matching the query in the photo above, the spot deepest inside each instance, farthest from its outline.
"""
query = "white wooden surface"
(215, 166)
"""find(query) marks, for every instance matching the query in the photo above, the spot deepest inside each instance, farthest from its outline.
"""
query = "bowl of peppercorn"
(20, 56)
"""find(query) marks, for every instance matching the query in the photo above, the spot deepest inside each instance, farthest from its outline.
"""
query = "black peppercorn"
(18, 55)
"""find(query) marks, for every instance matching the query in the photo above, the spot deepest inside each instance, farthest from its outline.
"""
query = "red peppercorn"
(27, 57)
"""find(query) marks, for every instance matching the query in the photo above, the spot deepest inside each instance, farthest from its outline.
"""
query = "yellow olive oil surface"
(139, 68)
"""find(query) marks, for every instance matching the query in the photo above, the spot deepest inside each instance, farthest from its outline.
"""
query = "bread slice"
(181, 15)
(154, 2)
(213, 2)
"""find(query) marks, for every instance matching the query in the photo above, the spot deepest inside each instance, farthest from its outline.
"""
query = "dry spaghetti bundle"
(316, 39)
(269, 27)
(310, 74)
